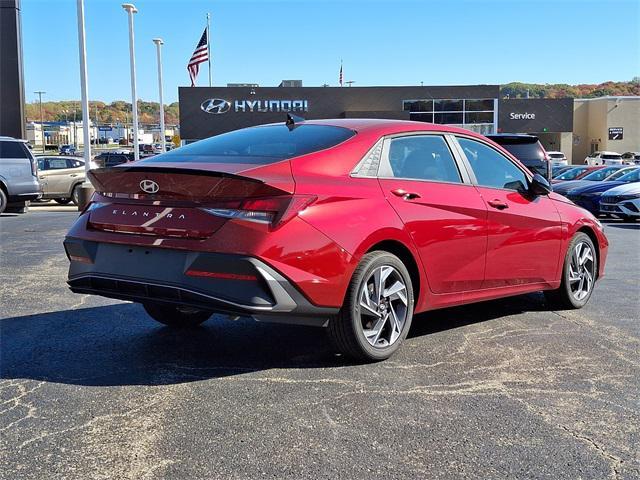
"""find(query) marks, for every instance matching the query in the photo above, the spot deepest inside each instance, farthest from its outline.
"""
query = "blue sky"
(381, 43)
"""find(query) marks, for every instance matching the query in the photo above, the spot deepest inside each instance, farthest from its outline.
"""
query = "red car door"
(445, 217)
(524, 231)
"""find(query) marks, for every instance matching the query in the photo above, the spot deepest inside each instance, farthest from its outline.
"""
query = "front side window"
(492, 169)
(422, 158)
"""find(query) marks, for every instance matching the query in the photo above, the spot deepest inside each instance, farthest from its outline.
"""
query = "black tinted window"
(258, 145)
(492, 169)
(422, 158)
(524, 151)
(13, 150)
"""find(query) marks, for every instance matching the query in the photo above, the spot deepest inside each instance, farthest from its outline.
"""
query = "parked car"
(527, 149)
(597, 175)
(622, 201)
(111, 159)
(67, 150)
(588, 196)
(18, 174)
(603, 158)
(575, 173)
(61, 178)
(348, 224)
(557, 158)
(631, 158)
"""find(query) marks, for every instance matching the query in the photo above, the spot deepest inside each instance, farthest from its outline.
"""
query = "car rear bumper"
(223, 283)
(24, 197)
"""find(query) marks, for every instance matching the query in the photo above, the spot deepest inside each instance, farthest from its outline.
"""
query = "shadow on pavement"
(120, 345)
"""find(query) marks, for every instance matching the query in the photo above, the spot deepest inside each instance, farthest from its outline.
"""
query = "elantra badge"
(149, 186)
(215, 106)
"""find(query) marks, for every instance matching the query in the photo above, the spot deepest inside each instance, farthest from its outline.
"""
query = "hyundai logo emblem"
(149, 186)
(215, 106)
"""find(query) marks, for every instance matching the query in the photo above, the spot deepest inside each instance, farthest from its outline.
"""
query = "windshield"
(571, 174)
(616, 175)
(600, 174)
(631, 176)
(258, 145)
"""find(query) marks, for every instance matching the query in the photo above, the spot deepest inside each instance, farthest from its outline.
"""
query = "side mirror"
(540, 186)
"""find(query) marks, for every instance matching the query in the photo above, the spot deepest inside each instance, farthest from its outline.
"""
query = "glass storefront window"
(448, 118)
(418, 105)
(448, 105)
(478, 117)
(479, 105)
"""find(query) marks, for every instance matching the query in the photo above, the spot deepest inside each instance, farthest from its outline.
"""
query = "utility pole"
(40, 93)
(159, 42)
(85, 192)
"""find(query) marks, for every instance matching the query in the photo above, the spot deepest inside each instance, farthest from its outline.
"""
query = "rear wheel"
(62, 201)
(578, 274)
(378, 309)
(177, 316)
(75, 195)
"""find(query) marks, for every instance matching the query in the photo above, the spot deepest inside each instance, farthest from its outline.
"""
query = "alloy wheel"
(581, 270)
(383, 306)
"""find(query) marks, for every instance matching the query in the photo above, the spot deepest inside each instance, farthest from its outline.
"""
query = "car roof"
(554, 151)
(512, 136)
(386, 126)
(11, 139)
(607, 152)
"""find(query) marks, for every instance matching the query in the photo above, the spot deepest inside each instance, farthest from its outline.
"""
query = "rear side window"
(422, 158)
(13, 150)
(258, 145)
(57, 163)
(492, 169)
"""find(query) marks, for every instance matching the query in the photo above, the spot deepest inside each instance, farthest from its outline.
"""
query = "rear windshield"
(556, 155)
(571, 174)
(612, 157)
(258, 145)
(524, 151)
(13, 150)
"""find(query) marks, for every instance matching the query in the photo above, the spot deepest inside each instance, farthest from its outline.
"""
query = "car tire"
(3, 200)
(62, 201)
(367, 328)
(572, 294)
(176, 316)
(75, 195)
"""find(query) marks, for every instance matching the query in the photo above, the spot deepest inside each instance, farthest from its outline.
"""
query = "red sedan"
(352, 225)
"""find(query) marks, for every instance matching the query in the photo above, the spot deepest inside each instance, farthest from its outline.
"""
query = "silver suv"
(18, 174)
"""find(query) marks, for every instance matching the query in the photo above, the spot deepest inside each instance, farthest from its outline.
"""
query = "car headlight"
(631, 196)
(593, 194)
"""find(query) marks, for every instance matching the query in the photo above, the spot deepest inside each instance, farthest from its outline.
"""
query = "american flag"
(340, 77)
(200, 55)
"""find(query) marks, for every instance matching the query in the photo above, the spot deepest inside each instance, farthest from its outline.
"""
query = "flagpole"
(209, 45)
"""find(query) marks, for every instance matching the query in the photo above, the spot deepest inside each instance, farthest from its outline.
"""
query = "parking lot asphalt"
(92, 388)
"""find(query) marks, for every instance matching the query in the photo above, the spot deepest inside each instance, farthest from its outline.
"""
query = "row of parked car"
(603, 190)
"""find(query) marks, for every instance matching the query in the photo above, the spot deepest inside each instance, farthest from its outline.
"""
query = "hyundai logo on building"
(149, 186)
(215, 106)
(219, 105)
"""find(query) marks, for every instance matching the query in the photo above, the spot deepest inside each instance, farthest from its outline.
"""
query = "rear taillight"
(270, 210)
(34, 167)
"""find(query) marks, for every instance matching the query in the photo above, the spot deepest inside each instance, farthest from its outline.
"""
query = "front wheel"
(176, 316)
(62, 201)
(378, 309)
(578, 274)
(75, 195)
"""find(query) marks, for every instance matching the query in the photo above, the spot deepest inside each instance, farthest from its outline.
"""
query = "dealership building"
(575, 127)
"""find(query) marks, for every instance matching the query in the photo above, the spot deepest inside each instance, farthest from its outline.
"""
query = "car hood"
(597, 188)
(564, 186)
(625, 189)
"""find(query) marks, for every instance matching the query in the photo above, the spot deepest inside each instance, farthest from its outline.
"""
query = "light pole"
(131, 9)
(159, 42)
(40, 93)
(85, 192)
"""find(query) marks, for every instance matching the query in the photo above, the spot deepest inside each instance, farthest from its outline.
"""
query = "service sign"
(616, 133)
(535, 115)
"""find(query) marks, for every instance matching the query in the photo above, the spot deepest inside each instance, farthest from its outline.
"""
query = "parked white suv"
(18, 175)
(603, 158)
(557, 158)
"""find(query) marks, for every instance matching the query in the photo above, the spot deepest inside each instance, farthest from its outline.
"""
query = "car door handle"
(73, 175)
(399, 192)
(499, 204)
(42, 177)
